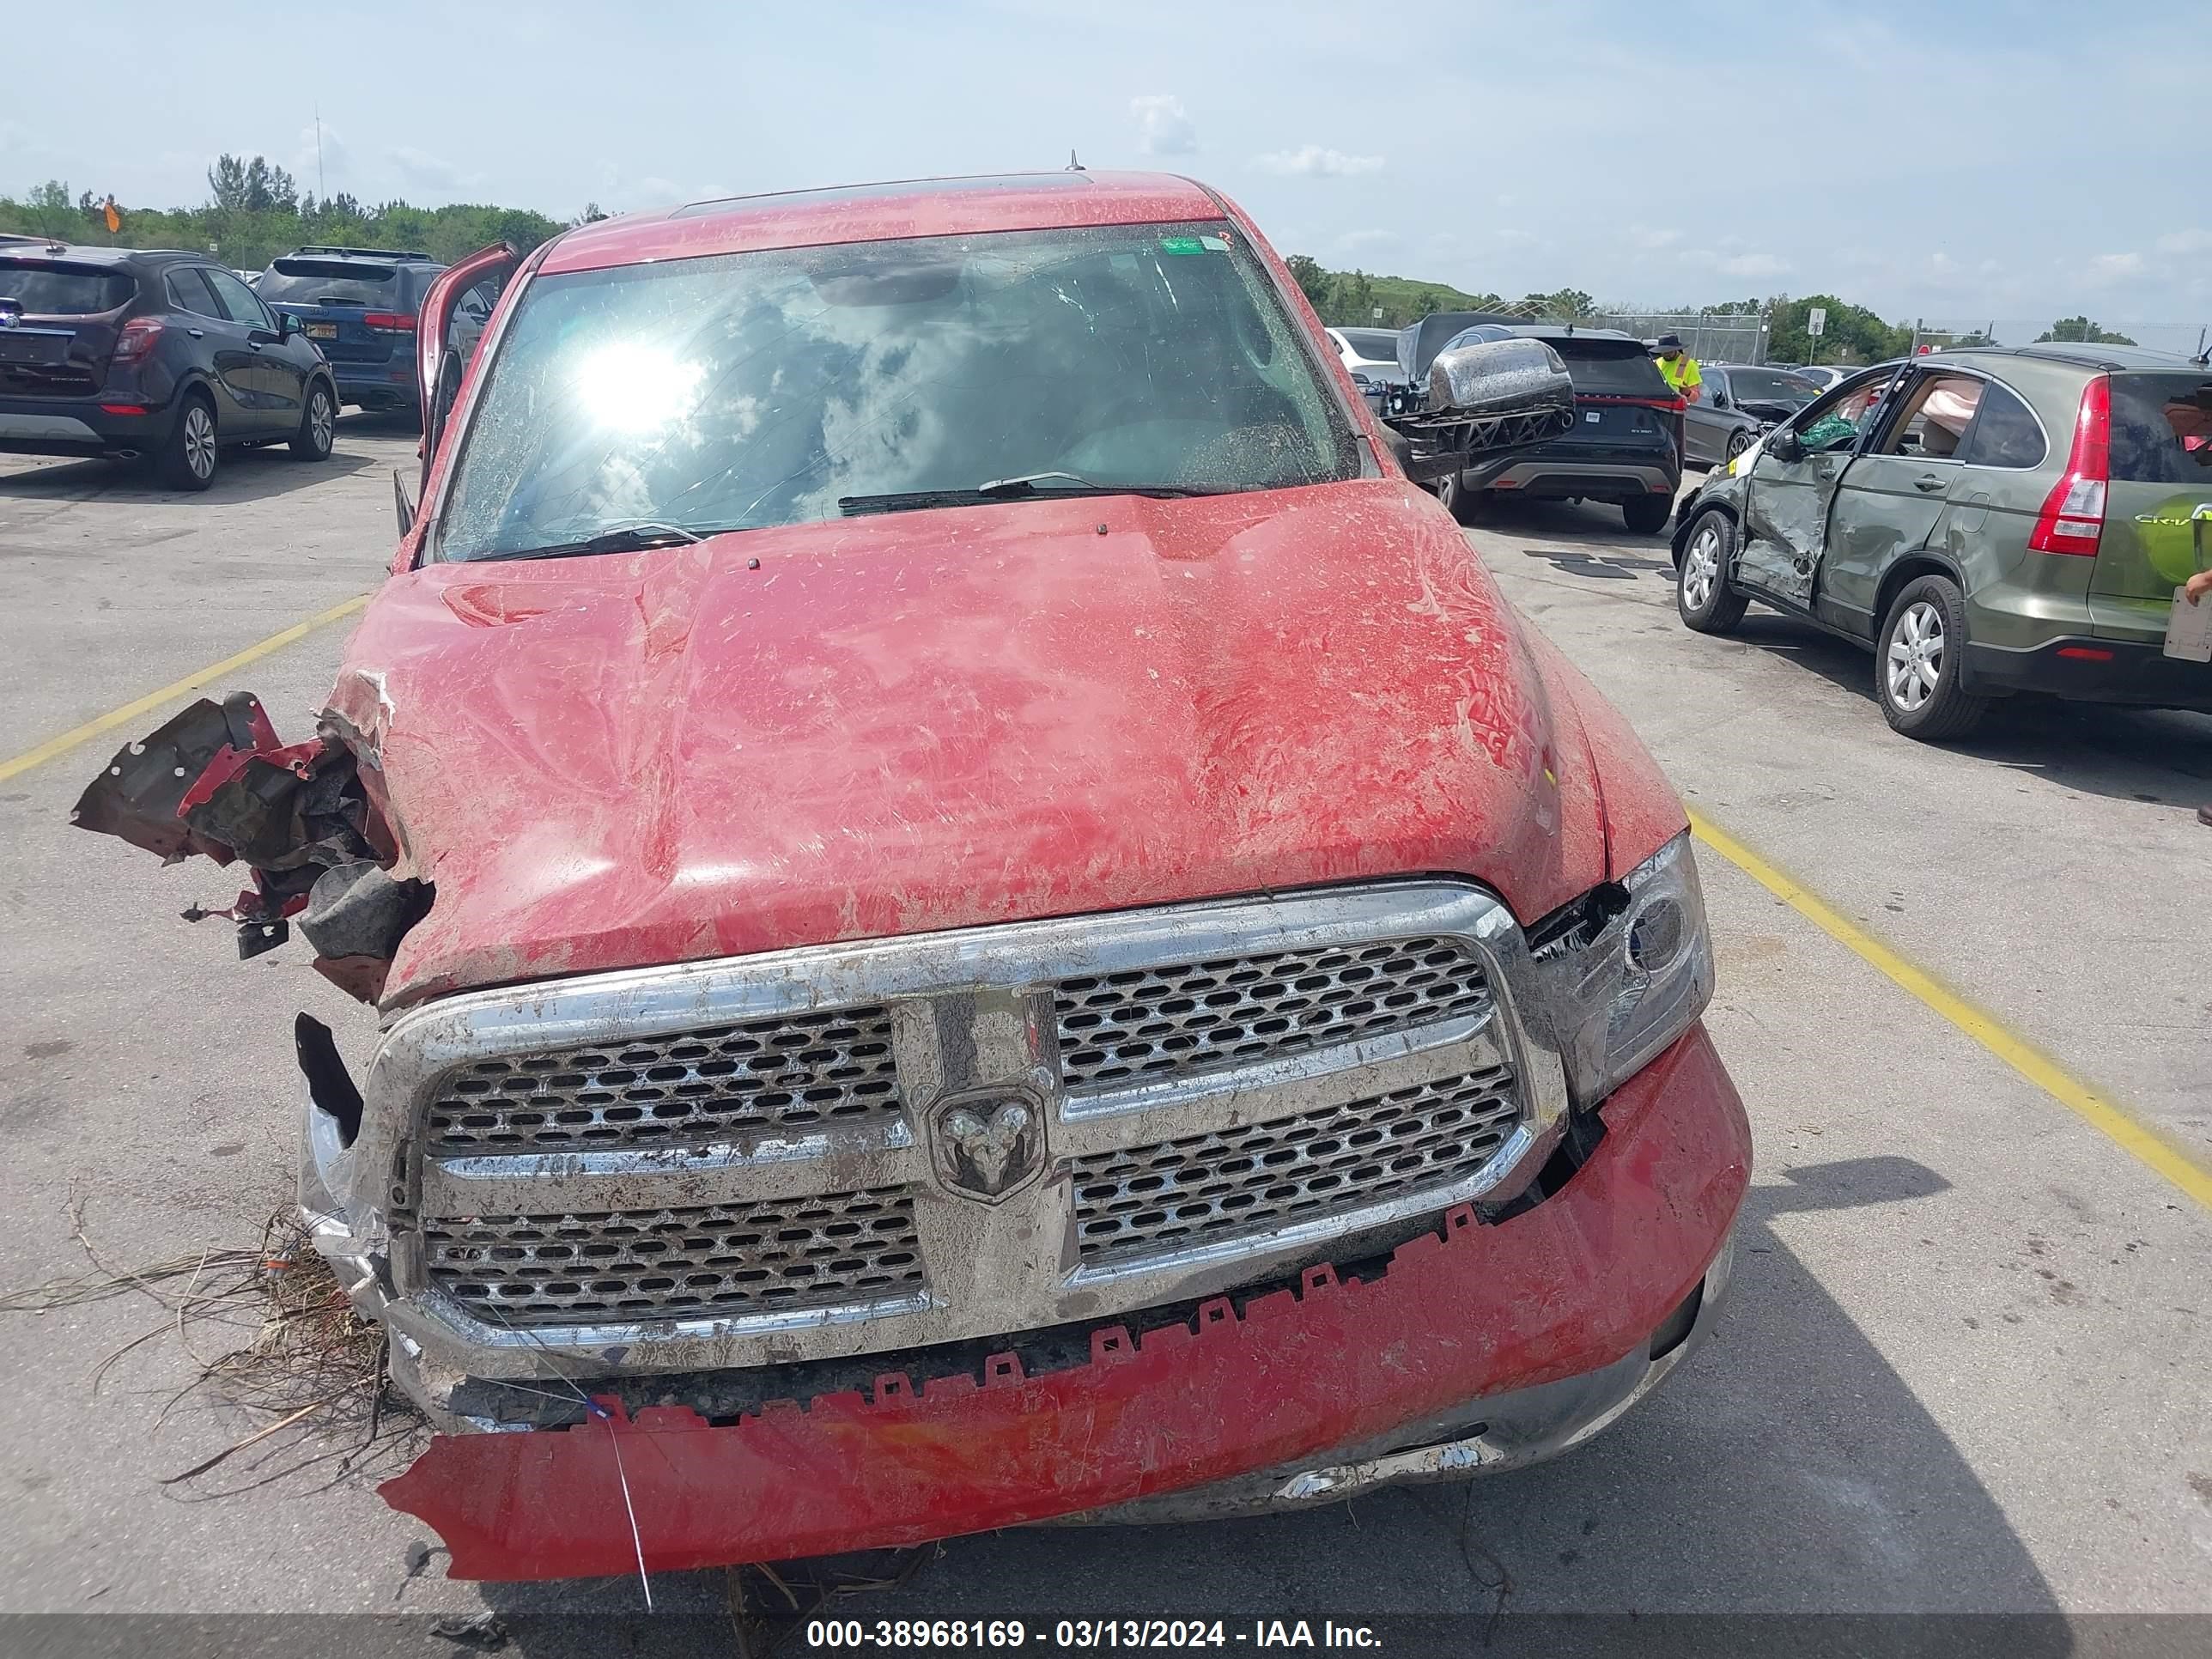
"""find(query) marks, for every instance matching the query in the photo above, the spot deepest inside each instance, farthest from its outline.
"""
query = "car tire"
(1647, 515)
(1738, 441)
(1459, 501)
(319, 418)
(1703, 597)
(1917, 659)
(190, 454)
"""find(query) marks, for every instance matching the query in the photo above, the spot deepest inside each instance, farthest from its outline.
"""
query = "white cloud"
(2186, 241)
(1752, 265)
(1163, 126)
(1314, 161)
(1650, 239)
(1353, 241)
(420, 169)
(2109, 268)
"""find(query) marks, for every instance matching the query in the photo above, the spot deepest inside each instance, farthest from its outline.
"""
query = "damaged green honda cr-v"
(1989, 521)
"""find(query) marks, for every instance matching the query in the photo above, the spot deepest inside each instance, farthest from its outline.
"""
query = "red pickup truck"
(980, 912)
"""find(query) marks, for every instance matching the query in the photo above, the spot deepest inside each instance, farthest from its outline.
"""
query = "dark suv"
(132, 353)
(1626, 446)
(359, 305)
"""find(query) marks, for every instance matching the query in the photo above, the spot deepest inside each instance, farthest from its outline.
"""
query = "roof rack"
(362, 252)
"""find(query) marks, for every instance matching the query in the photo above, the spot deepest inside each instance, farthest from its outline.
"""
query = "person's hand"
(2199, 585)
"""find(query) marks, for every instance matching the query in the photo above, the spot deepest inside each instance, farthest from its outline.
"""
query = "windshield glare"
(740, 391)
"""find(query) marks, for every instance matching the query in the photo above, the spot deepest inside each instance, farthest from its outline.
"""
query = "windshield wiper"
(622, 538)
(1074, 483)
(1030, 486)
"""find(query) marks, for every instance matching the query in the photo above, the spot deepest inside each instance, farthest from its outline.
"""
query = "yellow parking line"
(2146, 1145)
(131, 711)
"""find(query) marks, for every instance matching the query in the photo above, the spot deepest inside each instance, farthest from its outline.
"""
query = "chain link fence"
(1710, 337)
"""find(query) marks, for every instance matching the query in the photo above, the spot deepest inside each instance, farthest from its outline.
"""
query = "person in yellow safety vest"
(1680, 368)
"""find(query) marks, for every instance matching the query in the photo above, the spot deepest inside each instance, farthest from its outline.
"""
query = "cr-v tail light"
(2073, 516)
(136, 339)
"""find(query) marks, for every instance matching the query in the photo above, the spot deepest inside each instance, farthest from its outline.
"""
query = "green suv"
(1989, 521)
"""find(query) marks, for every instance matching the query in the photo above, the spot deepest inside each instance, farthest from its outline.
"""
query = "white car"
(1371, 354)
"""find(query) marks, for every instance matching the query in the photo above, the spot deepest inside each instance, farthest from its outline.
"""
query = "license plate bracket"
(322, 330)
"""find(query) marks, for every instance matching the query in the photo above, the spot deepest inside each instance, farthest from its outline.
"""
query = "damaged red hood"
(934, 720)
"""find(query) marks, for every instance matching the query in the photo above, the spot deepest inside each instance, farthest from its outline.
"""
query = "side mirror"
(287, 326)
(1483, 397)
(1784, 446)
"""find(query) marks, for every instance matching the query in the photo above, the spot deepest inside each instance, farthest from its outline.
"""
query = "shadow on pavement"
(244, 475)
(2157, 755)
(1787, 1470)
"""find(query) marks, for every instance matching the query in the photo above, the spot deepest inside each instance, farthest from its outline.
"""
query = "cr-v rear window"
(2162, 427)
(46, 288)
(333, 283)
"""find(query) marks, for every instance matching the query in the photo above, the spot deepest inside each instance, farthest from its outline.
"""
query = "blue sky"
(1963, 161)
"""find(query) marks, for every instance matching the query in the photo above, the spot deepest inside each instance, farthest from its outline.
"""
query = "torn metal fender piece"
(215, 780)
(1566, 1288)
(139, 795)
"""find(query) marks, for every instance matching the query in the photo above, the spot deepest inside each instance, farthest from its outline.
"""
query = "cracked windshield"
(745, 390)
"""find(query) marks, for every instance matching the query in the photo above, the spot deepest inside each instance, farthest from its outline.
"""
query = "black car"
(1626, 446)
(138, 354)
(359, 305)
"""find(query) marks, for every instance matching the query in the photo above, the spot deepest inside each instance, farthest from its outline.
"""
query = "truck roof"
(881, 212)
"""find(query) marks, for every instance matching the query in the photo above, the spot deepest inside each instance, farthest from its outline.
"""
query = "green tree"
(1355, 299)
(1853, 334)
(49, 211)
(1313, 282)
(2081, 331)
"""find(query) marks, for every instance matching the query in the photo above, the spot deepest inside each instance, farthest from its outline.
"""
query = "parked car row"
(168, 357)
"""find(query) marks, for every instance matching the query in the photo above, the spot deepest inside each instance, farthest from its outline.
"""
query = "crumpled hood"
(935, 720)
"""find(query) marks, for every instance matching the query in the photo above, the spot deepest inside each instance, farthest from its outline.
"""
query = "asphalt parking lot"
(1965, 1369)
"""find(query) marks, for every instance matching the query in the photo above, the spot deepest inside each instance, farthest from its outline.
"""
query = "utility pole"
(320, 190)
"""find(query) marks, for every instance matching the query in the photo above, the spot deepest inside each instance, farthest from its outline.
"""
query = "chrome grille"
(630, 1265)
(1147, 1023)
(787, 1071)
(1148, 1199)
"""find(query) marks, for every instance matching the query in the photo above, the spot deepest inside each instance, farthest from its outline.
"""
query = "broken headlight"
(1624, 970)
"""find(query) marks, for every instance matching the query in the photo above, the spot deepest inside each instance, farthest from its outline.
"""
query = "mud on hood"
(935, 720)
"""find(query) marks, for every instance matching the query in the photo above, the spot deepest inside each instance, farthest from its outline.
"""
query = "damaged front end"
(216, 781)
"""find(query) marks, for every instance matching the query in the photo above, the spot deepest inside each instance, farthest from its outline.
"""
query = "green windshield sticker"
(1182, 245)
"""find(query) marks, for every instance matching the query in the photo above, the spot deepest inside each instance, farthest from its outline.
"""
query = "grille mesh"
(1149, 1023)
(633, 1265)
(1151, 1199)
(788, 1071)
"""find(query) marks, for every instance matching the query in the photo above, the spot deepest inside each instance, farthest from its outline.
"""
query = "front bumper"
(1481, 1346)
(2090, 670)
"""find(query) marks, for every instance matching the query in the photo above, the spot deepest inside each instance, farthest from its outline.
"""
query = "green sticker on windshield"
(1181, 244)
